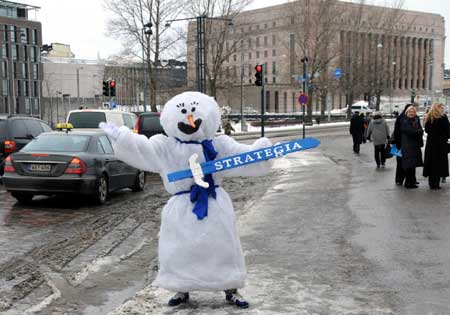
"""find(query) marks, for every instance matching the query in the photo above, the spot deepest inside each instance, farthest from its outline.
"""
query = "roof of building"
(19, 5)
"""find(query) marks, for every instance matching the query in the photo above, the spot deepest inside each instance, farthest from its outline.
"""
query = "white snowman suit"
(194, 254)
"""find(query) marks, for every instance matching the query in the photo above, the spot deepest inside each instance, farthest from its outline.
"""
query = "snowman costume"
(199, 248)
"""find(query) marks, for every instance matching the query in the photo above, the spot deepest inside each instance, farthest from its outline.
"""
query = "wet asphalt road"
(325, 233)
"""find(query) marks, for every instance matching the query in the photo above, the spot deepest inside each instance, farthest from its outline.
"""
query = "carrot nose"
(191, 120)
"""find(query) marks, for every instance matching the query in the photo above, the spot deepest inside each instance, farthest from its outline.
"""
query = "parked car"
(75, 162)
(15, 132)
(91, 118)
(148, 124)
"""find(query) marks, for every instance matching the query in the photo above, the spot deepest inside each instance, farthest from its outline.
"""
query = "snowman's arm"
(227, 146)
(139, 151)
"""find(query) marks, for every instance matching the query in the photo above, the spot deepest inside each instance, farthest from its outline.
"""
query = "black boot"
(180, 297)
(235, 298)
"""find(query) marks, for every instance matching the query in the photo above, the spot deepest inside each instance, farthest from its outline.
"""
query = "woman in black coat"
(357, 131)
(436, 160)
(411, 139)
(397, 140)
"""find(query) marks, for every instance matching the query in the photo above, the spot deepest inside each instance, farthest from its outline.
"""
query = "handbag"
(387, 151)
(395, 151)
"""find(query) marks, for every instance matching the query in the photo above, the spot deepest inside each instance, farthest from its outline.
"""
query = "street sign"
(106, 105)
(303, 99)
(337, 74)
(113, 105)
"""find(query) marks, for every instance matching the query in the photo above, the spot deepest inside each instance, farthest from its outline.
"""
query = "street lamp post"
(78, 85)
(304, 60)
(146, 32)
(201, 58)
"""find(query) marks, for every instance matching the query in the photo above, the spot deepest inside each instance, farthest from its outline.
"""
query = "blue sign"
(113, 105)
(337, 73)
(248, 158)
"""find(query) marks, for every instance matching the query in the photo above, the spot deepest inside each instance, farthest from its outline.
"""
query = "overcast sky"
(82, 23)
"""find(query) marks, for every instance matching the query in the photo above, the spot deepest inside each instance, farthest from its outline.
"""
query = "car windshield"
(2, 129)
(58, 143)
(86, 119)
(151, 123)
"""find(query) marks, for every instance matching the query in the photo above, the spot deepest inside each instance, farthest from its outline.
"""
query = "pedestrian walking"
(227, 127)
(367, 120)
(411, 142)
(357, 131)
(378, 132)
(437, 128)
(397, 140)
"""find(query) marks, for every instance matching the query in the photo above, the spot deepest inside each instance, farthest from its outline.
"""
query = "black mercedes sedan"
(76, 162)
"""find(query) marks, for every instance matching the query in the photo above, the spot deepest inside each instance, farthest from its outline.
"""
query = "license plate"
(40, 167)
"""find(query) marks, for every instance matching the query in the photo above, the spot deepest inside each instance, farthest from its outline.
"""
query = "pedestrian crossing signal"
(259, 75)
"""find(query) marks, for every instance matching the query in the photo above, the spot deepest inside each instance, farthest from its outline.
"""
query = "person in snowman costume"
(199, 248)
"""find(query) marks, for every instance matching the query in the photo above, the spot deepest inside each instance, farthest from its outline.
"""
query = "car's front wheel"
(101, 190)
(139, 183)
(22, 197)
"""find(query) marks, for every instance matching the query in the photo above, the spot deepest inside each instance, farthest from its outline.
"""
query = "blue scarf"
(198, 194)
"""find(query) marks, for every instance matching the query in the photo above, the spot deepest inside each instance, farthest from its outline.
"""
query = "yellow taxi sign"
(64, 126)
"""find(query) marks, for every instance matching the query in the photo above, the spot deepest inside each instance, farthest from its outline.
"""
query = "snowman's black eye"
(184, 110)
(193, 109)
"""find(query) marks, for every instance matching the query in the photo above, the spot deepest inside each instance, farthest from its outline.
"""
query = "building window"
(274, 53)
(16, 109)
(25, 70)
(292, 20)
(5, 33)
(294, 99)
(285, 101)
(267, 101)
(15, 70)
(274, 24)
(4, 69)
(266, 54)
(35, 92)
(14, 52)
(234, 58)
(257, 54)
(250, 70)
(257, 42)
(12, 30)
(257, 27)
(266, 41)
(265, 25)
(265, 68)
(34, 37)
(34, 54)
(274, 40)
(5, 53)
(277, 109)
(249, 43)
(250, 28)
(249, 56)
(25, 52)
(35, 71)
(27, 106)
(5, 87)
(19, 88)
(23, 35)
(274, 80)
(274, 67)
(36, 107)
(26, 91)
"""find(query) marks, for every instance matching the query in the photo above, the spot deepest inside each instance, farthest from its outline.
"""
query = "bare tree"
(315, 39)
(128, 21)
(219, 48)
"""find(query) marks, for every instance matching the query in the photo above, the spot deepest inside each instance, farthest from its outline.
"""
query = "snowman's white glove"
(110, 129)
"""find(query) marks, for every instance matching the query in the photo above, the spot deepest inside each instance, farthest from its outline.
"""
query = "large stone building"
(408, 54)
(21, 71)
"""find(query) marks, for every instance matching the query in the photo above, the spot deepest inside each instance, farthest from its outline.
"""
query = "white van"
(361, 107)
(91, 118)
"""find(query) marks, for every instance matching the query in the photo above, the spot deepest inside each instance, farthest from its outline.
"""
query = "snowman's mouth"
(188, 129)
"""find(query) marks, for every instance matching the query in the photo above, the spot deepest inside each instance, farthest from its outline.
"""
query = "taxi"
(69, 162)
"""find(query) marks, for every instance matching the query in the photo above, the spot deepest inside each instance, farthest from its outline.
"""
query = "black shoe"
(435, 187)
(378, 165)
(399, 183)
(411, 186)
(179, 298)
(236, 299)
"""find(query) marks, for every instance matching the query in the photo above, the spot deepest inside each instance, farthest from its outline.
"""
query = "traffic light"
(112, 88)
(259, 75)
(105, 88)
(148, 28)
